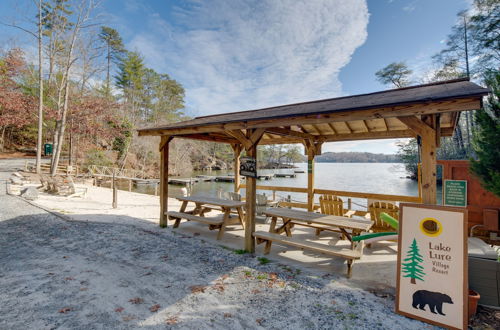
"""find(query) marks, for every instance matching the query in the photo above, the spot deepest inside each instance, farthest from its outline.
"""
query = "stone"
(29, 193)
(16, 180)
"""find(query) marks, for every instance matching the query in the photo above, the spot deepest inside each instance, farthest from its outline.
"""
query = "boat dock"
(265, 176)
(206, 178)
(183, 181)
(285, 175)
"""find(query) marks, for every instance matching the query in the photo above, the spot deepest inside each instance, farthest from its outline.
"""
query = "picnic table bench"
(349, 227)
(204, 205)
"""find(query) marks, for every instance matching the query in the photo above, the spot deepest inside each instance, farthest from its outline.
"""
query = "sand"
(101, 268)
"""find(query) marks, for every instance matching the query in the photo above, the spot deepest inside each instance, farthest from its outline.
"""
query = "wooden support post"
(115, 192)
(427, 131)
(164, 180)
(250, 206)
(310, 179)
(312, 148)
(429, 186)
(237, 152)
(130, 185)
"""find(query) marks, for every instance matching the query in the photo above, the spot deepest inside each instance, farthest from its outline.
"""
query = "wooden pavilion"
(428, 111)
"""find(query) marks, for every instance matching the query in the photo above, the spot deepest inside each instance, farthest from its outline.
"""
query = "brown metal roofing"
(440, 91)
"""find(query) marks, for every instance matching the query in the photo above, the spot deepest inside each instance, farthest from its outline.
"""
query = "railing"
(349, 194)
(45, 168)
(105, 171)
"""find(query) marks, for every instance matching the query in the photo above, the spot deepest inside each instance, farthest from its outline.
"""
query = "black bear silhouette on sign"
(435, 300)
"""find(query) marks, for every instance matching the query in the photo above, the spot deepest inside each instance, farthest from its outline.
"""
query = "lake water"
(380, 178)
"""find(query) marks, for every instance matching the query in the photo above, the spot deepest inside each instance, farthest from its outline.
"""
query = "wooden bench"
(348, 254)
(213, 222)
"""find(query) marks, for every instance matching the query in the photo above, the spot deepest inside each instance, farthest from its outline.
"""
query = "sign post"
(455, 193)
(432, 281)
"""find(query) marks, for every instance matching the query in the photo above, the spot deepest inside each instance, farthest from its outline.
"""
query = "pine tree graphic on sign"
(411, 266)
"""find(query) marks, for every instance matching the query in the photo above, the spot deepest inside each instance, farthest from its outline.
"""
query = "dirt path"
(58, 274)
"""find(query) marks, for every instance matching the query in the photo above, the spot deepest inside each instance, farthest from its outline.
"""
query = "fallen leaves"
(64, 310)
(228, 315)
(197, 289)
(259, 321)
(219, 287)
(119, 309)
(69, 278)
(172, 320)
(136, 300)
(154, 308)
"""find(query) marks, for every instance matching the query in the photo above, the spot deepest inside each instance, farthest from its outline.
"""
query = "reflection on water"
(380, 178)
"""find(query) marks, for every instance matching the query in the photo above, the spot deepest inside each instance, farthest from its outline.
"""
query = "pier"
(285, 175)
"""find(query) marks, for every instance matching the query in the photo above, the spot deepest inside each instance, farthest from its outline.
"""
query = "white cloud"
(237, 55)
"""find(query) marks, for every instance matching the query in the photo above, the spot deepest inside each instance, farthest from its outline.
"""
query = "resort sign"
(248, 167)
(455, 193)
(432, 265)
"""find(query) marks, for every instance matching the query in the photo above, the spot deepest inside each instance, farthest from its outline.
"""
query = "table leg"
(267, 248)
(241, 216)
(182, 209)
(288, 226)
(225, 220)
(272, 227)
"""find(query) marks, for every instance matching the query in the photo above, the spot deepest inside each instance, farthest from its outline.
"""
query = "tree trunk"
(40, 92)
(107, 72)
(2, 139)
(413, 281)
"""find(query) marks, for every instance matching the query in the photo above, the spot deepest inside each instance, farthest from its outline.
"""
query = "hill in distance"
(356, 157)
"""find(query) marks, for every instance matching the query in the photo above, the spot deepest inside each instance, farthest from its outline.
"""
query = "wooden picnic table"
(205, 204)
(348, 226)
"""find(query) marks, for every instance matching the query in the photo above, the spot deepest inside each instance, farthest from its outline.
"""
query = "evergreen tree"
(114, 50)
(396, 73)
(412, 267)
(486, 140)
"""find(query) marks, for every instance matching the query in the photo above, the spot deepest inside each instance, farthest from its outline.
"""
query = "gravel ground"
(59, 274)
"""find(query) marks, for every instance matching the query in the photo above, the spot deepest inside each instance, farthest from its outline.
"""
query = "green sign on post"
(455, 193)
(310, 166)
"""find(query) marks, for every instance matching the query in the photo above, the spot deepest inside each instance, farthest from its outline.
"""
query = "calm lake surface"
(381, 178)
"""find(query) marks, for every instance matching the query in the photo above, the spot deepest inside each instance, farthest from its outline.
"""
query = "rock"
(30, 193)
(16, 180)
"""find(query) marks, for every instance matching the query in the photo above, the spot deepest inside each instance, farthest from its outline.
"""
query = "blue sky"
(235, 55)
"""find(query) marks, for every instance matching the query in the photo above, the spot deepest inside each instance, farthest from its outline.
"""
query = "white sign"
(432, 265)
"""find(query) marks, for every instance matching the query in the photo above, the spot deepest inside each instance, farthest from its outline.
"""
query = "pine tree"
(485, 141)
(412, 267)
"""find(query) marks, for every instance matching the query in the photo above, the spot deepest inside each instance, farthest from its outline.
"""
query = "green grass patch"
(261, 277)
(240, 251)
(263, 260)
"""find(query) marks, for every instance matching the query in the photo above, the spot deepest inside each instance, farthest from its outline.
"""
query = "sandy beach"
(99, 267)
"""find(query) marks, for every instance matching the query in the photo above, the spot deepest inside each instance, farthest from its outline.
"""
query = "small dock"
(285, 175)
(182, 181)
(299, 171)
(205, 178)
(146, 181)
(224, 178)
(265, 176)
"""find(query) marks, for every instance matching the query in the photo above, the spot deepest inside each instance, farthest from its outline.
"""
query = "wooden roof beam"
(289, 132)
(366, 126)
(332, 128)
(417, 125)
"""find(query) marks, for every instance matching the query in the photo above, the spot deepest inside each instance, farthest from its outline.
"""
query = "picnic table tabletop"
(318, 218)
(212, 201)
